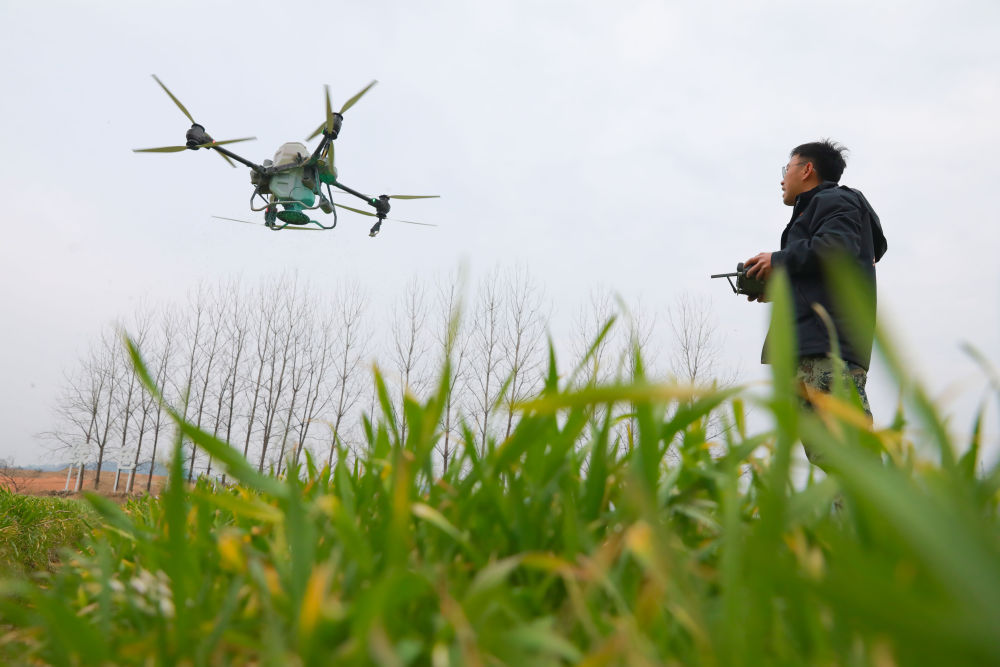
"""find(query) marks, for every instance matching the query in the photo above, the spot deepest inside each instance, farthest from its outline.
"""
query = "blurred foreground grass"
(559, 545)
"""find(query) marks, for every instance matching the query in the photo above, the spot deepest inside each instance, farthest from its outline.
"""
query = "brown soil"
(39, 483)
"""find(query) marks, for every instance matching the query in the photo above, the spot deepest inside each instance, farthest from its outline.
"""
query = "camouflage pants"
(817, 373)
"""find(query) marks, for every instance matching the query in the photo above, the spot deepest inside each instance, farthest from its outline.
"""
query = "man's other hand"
(759, 266)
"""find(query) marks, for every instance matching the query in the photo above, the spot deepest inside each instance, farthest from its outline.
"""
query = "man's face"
(793, 179)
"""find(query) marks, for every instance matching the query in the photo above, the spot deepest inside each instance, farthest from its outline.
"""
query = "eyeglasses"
(784, 170)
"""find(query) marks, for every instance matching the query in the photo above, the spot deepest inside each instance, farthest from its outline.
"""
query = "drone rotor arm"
(228, 154)
(368, 200)
(324, 142)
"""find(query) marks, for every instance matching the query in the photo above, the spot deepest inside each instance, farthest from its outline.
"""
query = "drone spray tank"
(291, 187)
(744, 283)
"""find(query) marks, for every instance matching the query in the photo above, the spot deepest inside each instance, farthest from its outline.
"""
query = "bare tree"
(487, 354)
(237, 334)
(698, 348)
(10, 475)
(209, 351)
(523, 333)
(319, 356)
(262, 351)
(409, 344)
(280, 329)
(299, 340)
(229, 352)
(133, 393)
(640, 328)
(192, 330)
(591, 321)
(697, 356)
(220, 401)
(77, 413)
(351, 344)
(162, 373)
(109, 362)
(453, 343)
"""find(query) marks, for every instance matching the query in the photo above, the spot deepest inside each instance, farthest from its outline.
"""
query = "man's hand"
(759, 266)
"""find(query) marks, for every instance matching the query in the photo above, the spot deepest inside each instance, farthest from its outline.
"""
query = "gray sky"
(633, 146)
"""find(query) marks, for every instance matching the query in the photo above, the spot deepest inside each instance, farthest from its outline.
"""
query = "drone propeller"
(397, 196)
(176, 149)
(329, 111)
(245, 222)
(414, 196)
(350, 103)
(226, 158)
(176, 101)
(330, 166)
(328, 124)
(372, 215)
(260, 224)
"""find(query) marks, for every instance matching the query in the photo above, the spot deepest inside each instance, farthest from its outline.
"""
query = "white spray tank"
(287, 185)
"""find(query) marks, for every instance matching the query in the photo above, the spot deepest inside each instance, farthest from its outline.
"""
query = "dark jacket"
(826, 220)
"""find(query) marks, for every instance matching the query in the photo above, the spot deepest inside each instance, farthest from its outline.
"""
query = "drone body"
(295, 189)
(292, 183)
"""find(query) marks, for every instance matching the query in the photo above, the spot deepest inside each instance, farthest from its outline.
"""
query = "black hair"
(827, 158)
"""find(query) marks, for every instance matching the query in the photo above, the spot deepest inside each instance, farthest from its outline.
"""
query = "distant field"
(39, 482)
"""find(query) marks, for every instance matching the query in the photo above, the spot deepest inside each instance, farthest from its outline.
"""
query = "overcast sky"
(630, 146)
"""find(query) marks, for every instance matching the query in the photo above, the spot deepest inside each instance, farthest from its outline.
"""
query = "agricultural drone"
(294, 180)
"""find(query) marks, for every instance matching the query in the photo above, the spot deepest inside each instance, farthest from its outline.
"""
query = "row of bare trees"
(278, 368)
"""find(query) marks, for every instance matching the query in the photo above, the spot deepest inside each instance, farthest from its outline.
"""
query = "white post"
(69, 473)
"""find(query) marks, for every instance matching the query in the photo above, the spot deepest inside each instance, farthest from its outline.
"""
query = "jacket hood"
(878, 236)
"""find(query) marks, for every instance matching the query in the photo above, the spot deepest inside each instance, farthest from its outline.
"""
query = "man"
(827, 219)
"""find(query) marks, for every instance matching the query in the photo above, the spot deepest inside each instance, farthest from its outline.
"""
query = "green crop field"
(35, 530)
(557, 545)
